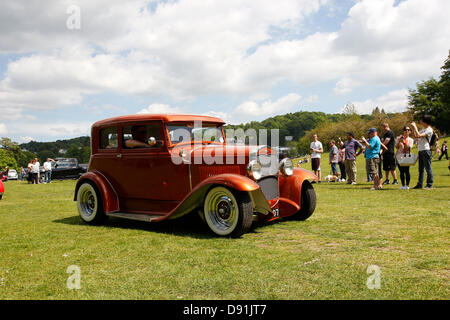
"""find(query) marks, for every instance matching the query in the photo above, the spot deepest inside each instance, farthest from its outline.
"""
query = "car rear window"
(108, 138)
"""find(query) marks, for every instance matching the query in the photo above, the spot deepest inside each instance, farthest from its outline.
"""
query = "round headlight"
(254, 170)
(287, 167)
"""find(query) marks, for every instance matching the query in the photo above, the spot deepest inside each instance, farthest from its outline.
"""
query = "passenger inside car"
(140, 138)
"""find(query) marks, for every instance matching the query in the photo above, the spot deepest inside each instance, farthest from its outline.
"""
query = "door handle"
(119, 155)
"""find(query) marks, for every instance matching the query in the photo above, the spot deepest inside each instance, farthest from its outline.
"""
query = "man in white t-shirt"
(48, 170)
(424, 137)
(38, 166)
(316, 149)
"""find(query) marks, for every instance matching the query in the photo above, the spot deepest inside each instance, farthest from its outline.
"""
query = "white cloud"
(394, 101)
(345, 85)
(253, 110)
(25, 139)
(161, 108)
(3, 129)
(50, 129)
(245, 112)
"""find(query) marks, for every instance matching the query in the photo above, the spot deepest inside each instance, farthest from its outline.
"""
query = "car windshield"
(188, 133)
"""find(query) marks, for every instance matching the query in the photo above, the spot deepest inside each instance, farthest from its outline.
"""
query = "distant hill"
(72, 148)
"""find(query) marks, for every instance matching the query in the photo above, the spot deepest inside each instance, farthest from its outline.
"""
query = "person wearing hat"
(352, 149)
(372, 153)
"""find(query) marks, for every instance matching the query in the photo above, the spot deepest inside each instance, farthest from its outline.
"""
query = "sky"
(66, 64)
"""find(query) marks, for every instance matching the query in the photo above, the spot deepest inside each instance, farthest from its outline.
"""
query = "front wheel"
(89, 204)
(228, 213)
(308, 202)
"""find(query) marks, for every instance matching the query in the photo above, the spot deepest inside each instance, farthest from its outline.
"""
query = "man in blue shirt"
(373, 156)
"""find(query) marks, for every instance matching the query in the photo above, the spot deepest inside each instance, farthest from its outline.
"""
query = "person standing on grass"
(22, 173)
(29, 171)
(316, 149)
(334, 157)
(35, 172)
(424, 137)
(404, 146)
(388, 154)
(5, 173)
(341, 162)
(38, 171)
(372, 153)
(444, 150)
(48, 170)
(351, 146)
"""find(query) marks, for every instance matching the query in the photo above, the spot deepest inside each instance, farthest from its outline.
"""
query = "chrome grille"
(269, 164)
(269, 187)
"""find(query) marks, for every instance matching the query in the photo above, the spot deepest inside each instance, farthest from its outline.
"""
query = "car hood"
(229, 154)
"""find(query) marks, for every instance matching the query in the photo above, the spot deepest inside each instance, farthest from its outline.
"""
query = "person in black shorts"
(388, 143)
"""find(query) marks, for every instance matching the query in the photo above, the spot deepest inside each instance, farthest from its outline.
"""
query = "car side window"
(142, 136)
(109, 138)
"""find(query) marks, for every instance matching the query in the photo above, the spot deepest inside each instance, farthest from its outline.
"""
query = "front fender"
(2, 188)
(109, 196)
(291, 190)
(232, 181)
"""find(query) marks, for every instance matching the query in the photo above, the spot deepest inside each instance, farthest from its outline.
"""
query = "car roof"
(163, 117)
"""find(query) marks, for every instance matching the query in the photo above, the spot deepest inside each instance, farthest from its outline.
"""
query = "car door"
(105, 159)
(143, 171)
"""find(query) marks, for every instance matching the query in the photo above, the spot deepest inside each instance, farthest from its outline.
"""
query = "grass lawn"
(405, 233)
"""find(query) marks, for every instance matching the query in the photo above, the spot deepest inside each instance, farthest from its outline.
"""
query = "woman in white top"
(404, 145)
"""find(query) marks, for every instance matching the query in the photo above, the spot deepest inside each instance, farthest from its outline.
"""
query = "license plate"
(276, 212)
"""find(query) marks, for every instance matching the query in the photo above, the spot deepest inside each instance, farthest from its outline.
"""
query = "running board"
(133, 216)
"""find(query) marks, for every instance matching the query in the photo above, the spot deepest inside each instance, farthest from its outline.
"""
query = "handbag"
(407, 160)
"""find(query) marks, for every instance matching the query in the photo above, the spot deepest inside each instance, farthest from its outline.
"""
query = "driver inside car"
(140, 138)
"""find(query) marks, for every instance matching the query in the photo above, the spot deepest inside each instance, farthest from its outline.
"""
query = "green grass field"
(405, 233)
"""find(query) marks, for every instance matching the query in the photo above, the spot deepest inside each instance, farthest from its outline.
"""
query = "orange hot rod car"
(157, 167)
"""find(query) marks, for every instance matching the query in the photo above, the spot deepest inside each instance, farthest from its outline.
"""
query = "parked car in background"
(12, 174)
(65, 168)
(145, 183)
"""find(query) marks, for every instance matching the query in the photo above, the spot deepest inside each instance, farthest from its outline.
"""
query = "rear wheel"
(308, 202)
(89, 204)
(228, 213)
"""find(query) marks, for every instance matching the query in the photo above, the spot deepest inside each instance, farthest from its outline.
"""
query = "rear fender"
(109, 196)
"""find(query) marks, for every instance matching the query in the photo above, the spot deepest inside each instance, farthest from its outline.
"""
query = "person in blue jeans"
(425, 156)
(372, 154)
(48, 170)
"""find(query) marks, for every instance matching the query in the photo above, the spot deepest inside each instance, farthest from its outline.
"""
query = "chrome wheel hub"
(221, 211)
